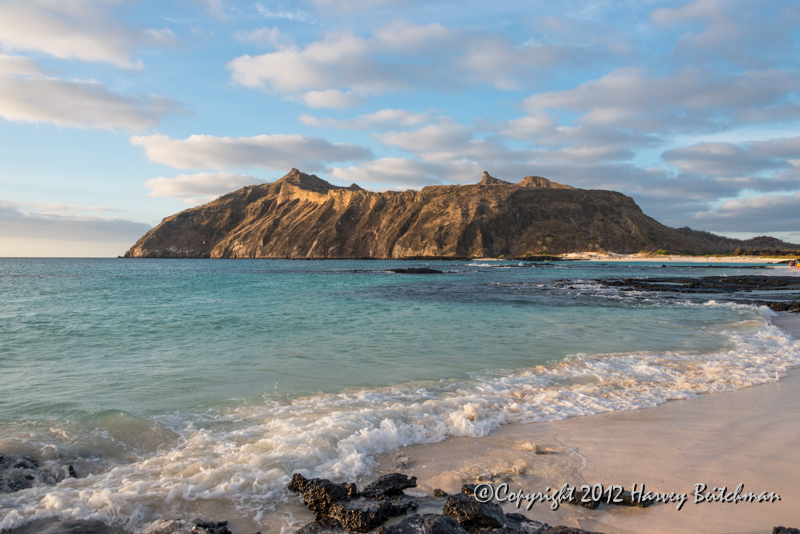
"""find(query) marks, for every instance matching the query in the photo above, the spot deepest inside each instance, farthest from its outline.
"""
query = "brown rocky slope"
(303, 216)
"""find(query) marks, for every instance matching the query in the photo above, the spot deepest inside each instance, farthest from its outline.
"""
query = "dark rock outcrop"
(785, 530)
(472, 514)
(425, 524)
(413, 270)
(342, 505)
(22, 472)
(389, 485)
(303, 216)
(340, 508)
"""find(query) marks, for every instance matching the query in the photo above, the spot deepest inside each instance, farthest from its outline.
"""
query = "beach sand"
(710, 260)
(749, 436)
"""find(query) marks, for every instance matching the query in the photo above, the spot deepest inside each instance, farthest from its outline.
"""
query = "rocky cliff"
(303, 216)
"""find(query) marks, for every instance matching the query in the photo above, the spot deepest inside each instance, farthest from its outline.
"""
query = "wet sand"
(749, 436)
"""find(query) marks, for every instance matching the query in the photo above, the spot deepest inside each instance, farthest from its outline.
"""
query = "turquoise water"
(166, 382)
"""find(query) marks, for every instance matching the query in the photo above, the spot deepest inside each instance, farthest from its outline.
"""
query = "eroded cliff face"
(303, 216)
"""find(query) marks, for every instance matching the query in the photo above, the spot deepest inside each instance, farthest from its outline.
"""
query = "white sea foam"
(242, 458)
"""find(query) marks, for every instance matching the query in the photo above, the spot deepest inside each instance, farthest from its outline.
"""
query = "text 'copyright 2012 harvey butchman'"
(616, 494)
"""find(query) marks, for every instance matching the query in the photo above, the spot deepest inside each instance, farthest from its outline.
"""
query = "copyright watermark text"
(616, 494)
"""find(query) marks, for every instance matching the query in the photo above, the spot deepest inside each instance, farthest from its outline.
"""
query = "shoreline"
(748, 436)
(711, 258)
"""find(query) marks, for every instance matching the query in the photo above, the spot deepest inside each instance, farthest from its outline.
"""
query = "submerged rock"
(55, 526)
(22, 472)
(415, 270)
(195, 526)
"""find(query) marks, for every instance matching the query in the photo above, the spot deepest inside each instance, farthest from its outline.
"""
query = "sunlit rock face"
(303, 216)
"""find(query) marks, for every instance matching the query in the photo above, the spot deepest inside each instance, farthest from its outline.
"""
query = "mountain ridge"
(304, 216)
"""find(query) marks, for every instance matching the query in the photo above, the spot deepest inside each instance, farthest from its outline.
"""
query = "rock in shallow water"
(365, 514)
(54, 526)
(415, 270)
(341, 505)
(180, 526)
(340, 508)
(389, 485)
(22, 472)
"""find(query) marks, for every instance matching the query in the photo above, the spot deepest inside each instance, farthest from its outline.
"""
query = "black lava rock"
(627, 500)
(425, 524)
(365, 514)
(473, 514)
(343, 506)
(195, 526)
(321, 527)
(415, 270)
(468, 489)
(22, 472)
(388, 486)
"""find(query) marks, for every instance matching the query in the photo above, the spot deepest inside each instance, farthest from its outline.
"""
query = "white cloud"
(720, 159)
(27, 96)
(431, 138)
(264, 37)
(330, 98)
(16, 65)
(281, 152)
(57, 230)
(382, 119)
(349, 5)
(198, 188)
(767, 213)
(74, 29)
(738, 31)
(216, 7)
(401, 172)
(442, 143)
(690, 99)
(298, 15)
(402, 56)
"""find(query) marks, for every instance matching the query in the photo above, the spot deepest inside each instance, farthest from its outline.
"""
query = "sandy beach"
(711, 260)
(749, 436)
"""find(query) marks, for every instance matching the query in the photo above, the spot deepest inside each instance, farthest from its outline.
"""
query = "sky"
(115, 113)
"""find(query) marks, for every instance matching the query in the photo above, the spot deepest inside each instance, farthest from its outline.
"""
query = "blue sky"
(116, 113)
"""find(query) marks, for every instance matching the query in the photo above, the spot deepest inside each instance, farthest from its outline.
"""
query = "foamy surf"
(238, 460)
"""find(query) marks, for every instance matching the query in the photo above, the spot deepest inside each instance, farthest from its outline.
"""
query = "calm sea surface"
(169, 383)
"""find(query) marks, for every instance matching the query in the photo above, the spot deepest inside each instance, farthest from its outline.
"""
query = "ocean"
(179, 388)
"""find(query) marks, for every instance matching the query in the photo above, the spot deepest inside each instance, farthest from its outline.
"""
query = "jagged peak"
(540, 181)
(311, 182)
(491, 180)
